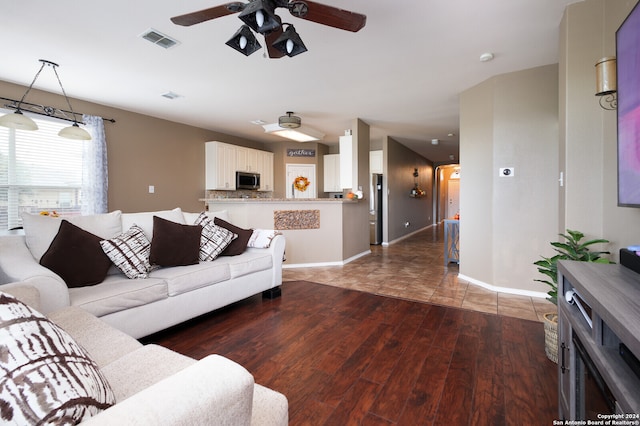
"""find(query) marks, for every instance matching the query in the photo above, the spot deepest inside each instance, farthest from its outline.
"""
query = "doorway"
(301, 181)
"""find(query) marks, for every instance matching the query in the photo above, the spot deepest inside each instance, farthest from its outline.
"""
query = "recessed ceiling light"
(435, 141)
(486, 57)
(258, 122)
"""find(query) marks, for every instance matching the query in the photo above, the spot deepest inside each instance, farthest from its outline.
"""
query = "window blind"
(39, 171)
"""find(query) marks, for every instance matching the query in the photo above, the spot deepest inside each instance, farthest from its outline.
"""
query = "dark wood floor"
(344, 357)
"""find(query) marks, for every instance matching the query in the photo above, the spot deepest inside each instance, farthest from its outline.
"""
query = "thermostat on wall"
(506, 172)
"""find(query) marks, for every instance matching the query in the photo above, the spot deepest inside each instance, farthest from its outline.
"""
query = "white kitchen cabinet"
(375, 161)
(223, 160)
(264, 160)
(332, 173)
(247, 159)
(348, 163)
(220, 166)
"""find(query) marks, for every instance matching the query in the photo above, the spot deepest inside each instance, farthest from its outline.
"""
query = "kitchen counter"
(276, 200)
(319, 231)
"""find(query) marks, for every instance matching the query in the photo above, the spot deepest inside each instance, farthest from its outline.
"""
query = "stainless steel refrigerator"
(375, 210)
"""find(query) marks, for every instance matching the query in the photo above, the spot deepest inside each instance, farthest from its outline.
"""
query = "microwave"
(248, 180)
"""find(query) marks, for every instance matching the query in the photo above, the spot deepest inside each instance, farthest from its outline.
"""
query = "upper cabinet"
(332, 173)
(220, 166)
(223, 160)
(265, 168)
(375, 161)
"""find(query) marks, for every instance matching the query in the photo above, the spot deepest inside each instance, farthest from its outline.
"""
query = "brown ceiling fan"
(259, 16)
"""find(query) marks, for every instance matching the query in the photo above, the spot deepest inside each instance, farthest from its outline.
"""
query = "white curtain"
(94, 167)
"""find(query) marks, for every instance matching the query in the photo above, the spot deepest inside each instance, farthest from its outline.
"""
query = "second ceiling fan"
(259, 16)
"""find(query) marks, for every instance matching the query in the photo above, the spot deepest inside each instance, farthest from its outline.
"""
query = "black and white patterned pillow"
(130, 251)
(45, 376)
(214, 239)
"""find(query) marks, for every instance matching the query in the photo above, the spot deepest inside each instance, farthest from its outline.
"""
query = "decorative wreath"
(301, 183)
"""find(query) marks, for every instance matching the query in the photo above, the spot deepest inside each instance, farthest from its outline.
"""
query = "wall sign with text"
(291, 152)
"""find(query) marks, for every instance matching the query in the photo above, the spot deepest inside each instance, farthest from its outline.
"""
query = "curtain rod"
(49, 111)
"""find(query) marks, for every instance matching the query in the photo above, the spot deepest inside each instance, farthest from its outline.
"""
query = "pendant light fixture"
(17, 120)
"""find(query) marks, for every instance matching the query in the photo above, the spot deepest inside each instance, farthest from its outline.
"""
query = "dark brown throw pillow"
(76, 255)
(174, 244)
(239, 245)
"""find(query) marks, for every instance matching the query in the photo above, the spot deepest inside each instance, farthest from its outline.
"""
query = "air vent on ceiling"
(157, 38)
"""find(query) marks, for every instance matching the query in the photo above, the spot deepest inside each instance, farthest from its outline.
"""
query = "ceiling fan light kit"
(290, 42)
(260, 16)
(244, 41)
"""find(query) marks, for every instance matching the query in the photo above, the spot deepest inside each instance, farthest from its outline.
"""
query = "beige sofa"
(156, 386)
(140, 307)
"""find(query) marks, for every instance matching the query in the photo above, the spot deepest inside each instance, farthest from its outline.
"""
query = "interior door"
(301, 181)
(453, 197)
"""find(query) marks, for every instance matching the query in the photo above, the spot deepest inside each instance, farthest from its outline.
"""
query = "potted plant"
(571, 249)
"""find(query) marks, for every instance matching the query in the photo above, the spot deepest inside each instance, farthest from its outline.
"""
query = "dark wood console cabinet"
(611, 300)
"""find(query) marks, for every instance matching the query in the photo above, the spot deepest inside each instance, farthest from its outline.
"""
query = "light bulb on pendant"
(259, 18)
(290, 46)
(242, 42)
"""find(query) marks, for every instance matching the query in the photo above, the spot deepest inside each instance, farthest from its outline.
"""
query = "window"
(39, 171)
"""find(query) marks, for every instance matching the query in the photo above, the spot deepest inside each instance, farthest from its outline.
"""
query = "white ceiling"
(401, 73)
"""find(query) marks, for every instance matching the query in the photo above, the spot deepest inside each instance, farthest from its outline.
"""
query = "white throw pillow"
(191, 218)
(45, 376)
(145, 219)
(261, 238)
(129, 251)
(40, 230)
(213, 239)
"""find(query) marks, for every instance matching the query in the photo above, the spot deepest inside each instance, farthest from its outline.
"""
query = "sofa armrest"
(276, 249)
(213, 391)
(23, 292)
(17, 264)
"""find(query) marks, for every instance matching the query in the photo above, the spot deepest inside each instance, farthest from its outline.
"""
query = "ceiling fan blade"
(328, 15)
(193, 18)
(269, 39)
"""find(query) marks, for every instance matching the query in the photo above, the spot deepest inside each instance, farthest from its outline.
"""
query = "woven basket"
(551, 336)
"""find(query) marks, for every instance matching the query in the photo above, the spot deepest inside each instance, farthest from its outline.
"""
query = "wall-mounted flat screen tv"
(628, 76)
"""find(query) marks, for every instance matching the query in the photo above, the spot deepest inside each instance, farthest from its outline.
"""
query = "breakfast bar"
(318, 231)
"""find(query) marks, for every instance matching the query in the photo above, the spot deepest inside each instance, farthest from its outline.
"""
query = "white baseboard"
(503, 289)
(397, 240)
(319, 264)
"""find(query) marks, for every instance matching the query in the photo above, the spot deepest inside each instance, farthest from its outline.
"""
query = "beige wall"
(145, 151)
(510, 120)
(588, 141)
(398, 181)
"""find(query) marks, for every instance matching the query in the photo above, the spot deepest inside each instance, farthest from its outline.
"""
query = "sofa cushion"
(129, 251)
(239, 245)
(214, 239)
(40, 230)
(117, 293)
(104, 343)
(45, 376)
(190, 218)
(174, 244)
(181, 279)
(76, 255)
(145, 220)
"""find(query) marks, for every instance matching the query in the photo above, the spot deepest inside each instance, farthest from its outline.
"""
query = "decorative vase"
(551, 336)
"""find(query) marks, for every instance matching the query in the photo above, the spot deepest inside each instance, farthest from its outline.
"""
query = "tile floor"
(414, 269)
